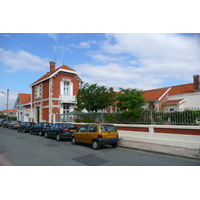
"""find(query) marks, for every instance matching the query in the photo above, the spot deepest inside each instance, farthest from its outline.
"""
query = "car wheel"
(95, 145)
(18, 130)
(58, 137)
(24, 131)
(73, 140)
(45, 135)
(40, 133)
(114, 145)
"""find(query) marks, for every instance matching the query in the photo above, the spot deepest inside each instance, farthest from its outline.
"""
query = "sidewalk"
(163, 149)
(4, 161)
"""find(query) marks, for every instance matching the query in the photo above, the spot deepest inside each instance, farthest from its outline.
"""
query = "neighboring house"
(174, 97)
(55, 93)
(23, 107)
(186, 96)
(10, 112)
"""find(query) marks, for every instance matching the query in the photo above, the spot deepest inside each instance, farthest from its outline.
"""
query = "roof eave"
(53, 74)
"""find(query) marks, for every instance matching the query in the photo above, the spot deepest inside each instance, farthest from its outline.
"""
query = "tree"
(130, 99)
(94, 97)
(130, 102)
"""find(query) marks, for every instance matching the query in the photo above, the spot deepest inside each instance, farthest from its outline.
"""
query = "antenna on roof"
(55, 54)
(62, 56)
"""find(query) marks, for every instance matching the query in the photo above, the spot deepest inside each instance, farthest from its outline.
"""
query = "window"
(37, 91)
(84, 128)
(171, 109)
(65, 108)
(108, 128)
(93, 128)
(66, 88)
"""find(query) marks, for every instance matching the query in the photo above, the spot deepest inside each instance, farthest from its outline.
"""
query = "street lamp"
(6, 104)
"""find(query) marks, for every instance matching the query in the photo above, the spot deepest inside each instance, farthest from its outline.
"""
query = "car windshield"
(108, 128)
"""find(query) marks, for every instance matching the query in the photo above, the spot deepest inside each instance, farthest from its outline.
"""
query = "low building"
(23, 107)
(186, 96)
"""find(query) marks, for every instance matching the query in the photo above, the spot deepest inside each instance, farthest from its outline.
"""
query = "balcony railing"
(67, 99)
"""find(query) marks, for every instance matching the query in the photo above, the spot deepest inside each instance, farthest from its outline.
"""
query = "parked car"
(25, 127)
(40, 128)
(60, 131)
(1, 121)
(97, 135)
(5, 124)
(14, 124)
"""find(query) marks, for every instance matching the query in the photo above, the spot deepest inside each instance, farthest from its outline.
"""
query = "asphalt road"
(23, 149)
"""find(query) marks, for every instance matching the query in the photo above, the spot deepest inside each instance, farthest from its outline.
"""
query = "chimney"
(196, 83)
(111, 88)
(52, 66)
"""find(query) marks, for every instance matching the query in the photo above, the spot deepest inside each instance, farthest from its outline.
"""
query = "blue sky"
(128, 60)
(107, 42)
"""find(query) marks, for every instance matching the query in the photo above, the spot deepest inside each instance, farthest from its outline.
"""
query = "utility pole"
(7, 105)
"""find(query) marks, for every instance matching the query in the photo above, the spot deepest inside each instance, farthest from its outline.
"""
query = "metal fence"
(186, 116)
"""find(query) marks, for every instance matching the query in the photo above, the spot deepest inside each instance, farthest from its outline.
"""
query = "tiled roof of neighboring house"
(176, 101)
(151, 95)
(182, 89)
(25, 98)
(155, 94)
(9, 111)
(48, 74)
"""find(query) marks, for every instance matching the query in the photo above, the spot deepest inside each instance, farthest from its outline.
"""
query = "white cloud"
(22, 60)
(53, 36)
(115, 75)
(143, 61)
(85, 45)
(162, 55)
(103, 58)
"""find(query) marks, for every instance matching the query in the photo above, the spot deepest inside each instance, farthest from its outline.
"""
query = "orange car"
(97, 135)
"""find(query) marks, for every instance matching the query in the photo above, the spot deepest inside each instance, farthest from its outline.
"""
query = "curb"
(157, 152)
(4, 161)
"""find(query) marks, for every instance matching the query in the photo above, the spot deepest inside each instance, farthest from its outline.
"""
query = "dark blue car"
(25, 127)
(60, 131)
(40, 128)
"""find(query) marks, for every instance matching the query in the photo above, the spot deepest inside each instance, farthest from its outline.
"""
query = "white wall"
(191, 100)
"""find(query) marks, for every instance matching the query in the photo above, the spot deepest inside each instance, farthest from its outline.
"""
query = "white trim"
(164, 94)
(60, 70)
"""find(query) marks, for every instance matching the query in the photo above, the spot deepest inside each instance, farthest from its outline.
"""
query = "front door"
(38, 114)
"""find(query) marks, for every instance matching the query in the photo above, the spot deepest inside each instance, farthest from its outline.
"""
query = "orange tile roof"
(9, 111)
(182, 89)
(155, 94)
(150, 95)
(48, 73)
(24, 98)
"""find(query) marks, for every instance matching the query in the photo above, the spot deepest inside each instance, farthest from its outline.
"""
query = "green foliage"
(131, 115)
(85, 119)
(94, 97)
(9, 117)
(110, 118)
(130, 99)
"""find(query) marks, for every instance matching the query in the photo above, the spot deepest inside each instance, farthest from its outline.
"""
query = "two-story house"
(55, 93)
(23, 107)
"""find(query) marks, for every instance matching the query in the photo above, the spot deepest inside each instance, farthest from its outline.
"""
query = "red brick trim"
(177, 131)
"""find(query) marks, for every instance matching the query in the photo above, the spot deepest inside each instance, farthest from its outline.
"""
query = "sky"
(122, 60)
(110, 43)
